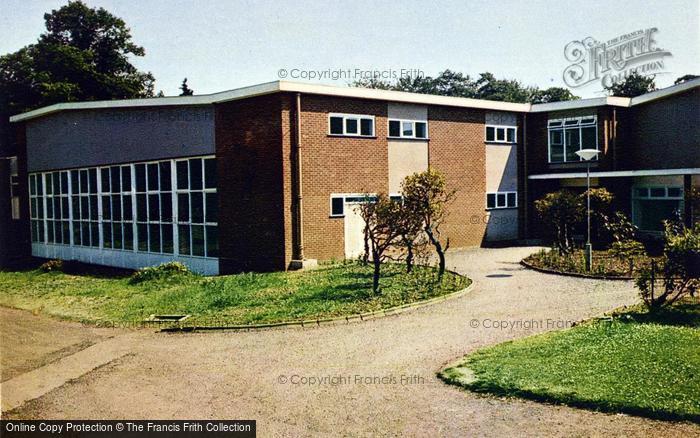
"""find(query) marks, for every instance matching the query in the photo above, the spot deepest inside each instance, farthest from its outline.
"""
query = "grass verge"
(253, 298)
(639, 364)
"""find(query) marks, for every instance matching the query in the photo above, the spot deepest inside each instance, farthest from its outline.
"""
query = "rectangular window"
(14, 188)
(408, 128)
(651, 206)
(567, 136)
(129, 207)
(354, 125)
(501, 134)
(496, 200)
(337, 206)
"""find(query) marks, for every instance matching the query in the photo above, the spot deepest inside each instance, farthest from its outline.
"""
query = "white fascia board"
(402, 96)
(203, 99)
(619, 173)
(581, 103)
(660, 94)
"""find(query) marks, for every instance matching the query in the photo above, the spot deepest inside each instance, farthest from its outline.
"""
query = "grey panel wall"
(96, 137)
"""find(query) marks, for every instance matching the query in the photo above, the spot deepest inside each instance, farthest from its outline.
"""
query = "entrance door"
(354, 232)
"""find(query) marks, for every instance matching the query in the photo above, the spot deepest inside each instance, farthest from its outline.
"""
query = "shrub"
(677, 272)
(161, 272)
(52, 266)
(560, 211)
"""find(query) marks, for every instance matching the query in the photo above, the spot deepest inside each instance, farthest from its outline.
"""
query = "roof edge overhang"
(619, 173)
(355, 92)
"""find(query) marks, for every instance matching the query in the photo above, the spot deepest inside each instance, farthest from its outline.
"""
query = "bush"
(561, 211)
(52, 266)
(161, 272)
(677, 272)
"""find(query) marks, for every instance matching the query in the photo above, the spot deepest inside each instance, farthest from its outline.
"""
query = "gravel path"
(370, 378)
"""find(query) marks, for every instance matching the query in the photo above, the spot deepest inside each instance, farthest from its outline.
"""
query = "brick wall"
(249, 137)
(457, 149)
(337, 165)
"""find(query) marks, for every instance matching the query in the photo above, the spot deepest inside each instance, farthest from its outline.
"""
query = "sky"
(220, 45)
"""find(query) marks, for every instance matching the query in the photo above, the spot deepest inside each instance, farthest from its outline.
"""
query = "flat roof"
(354, 92)
(619, 173)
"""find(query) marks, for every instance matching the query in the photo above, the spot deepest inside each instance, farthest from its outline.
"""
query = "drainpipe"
(299, 195)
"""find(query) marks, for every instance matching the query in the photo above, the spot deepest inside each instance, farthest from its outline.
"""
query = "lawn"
(332, 290)
(637, 363)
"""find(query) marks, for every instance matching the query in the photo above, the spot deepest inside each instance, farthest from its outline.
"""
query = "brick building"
(264, 177)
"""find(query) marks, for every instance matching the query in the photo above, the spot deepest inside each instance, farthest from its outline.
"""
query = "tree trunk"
(409, 256)
(438, 248)
(375, 278)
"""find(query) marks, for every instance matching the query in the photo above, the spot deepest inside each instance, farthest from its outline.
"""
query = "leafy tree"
(381, 232)
(455, 84)
(634, 85)
(552, 94)
(426, 195)
(409, 226)
(685, 78)
(561, 211)
(83, 55)
(186, 90)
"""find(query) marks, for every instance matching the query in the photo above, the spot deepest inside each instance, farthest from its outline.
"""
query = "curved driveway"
(368, 378)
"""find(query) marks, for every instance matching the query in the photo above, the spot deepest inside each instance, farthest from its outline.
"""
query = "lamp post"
(587, 155)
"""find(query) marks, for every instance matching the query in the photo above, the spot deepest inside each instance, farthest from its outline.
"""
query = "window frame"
(562, 125)
(648, 197)
(413, 123)
(354, 198)
(505, 129)
(496, 196)
(358, 118)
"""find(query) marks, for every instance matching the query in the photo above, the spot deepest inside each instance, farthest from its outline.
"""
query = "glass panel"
(106, 208)
(500, 134)
(95, 233)
(642, 192)
(39, 185)
(197, 240)
(93, 180)
(116, 208)
(126, 178)
(658, 192)
(76, 207)
(56, 183)
(510, 132)
(167, 233)
(93, 207)
(210, 173)
(196, 174)
(116, 186)
(64, 183)
(48, 184)
(183, 207)
(65, 208)
(153, 177)
(33, 211)
(336, 125)
(407, 129)
(491, 200)
(76, 233)
(128, 236)
(153, 208)
(117, 235)
(74, 181)
(394, 128)
(197, 207)
(142, 236)
(421, 131)
(57, 208)
(337, 205)
(212, 241)
(50, 232)
(366, 126)
(107, 234)
(164, 176)
(182, 178)
(572, 144)
(154, 230)
(588, 138)
(183, 232)
(84, 208)
(127, 211)
(32, 185)
(141, 212)
(212, 207)
(350, 127)
(501, 200)
(512, 199)
(675, 192)
(65, 225)
(104, 173)
(85, 233)
(49, 208)
(490, 133)
(650, 214)
(166, 207)
(140, 178)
